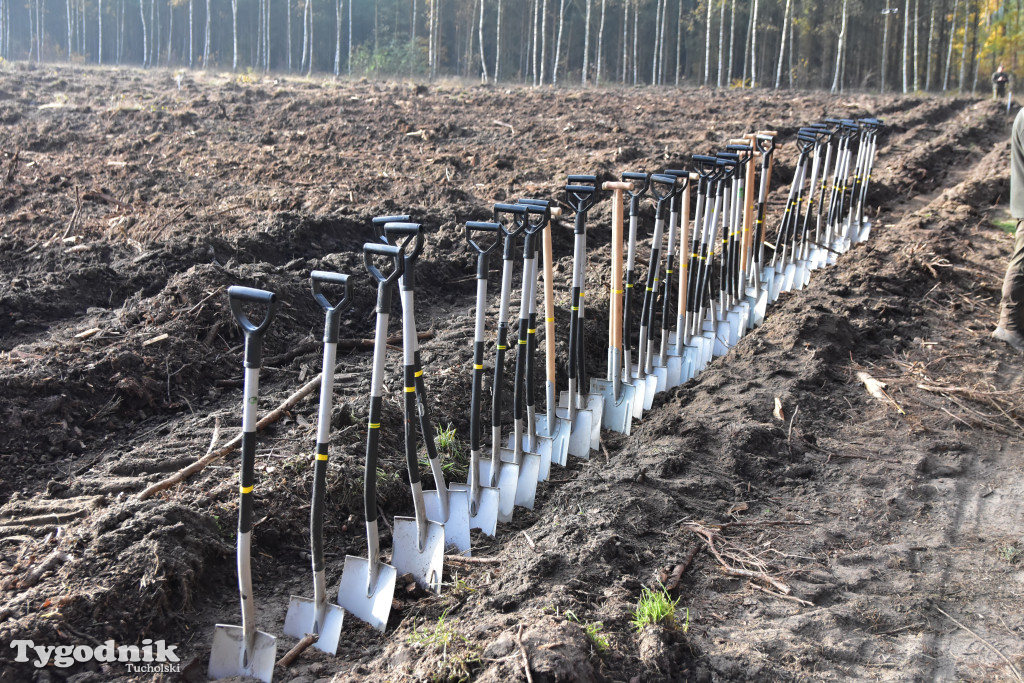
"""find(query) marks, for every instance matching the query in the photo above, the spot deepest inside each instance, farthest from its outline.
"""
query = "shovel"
(539, 211)
(684, 346)
(559, 429)
(483, 500)
(417, 543)
(317, 616)
(643, 388)
(242, 650)
(667, 368)
(441, 504)
(504, 476)
(618, 396)
(368, 585)
(645, 365)
(574, 401)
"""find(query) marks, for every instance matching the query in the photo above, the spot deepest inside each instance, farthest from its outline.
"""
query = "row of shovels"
(710, 255)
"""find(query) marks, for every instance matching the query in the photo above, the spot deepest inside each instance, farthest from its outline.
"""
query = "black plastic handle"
(682, 178)
(371, 249)
(706, 165)
(238, 295)
(380, 221)
(528, 201)
(543, 215)
(319, 278)
(641, 183)
(579, 179)
(518, 213)
(410, 232)
(482, 226)
(765, 144)
(658, 179)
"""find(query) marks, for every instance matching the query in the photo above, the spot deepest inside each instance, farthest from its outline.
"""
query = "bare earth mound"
(882, 539)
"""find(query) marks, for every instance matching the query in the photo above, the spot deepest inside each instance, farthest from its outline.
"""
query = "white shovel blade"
(736, 327)
(424, 564)
(722, 339)
(559, 438)
(674, 366)
(301, 617)
(660, 372)
(508, 481)
(690, 357)
(374, 608)
(650, 386)
(710, 340)
(788, 276)
(618, 414)
(456, 527)
(639, 396)
(229, 656)
(579, 435)
(865, 231)
(486, 517)
(542, 449)
(526, 483)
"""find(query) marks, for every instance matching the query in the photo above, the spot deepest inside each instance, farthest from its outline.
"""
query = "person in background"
(1011, 308)
(1000, 79)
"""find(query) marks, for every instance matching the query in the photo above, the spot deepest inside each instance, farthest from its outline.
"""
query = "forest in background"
(881, 45)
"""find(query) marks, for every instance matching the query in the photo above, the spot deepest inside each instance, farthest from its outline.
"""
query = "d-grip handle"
(482, 226)
(518, 213)
(658, 179)
(410, 232)
(371, 249)
(238, 295)
(380, 221)
(319, 278)
(543, 214)
(581, 197)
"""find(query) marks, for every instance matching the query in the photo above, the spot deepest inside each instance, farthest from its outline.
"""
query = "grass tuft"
(657, 607)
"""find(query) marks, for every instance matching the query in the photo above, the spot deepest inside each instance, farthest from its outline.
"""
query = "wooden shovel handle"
(615, 293)
(549, 301)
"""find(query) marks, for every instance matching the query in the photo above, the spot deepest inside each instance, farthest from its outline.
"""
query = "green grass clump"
(442, 638)
(657, 607)
(593, 630)
(1007, 226)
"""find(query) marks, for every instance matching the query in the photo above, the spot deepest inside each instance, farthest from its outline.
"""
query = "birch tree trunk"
(338, 13)
(625, 39)
(917, 80)
(746, 45)
(99, 46)
(191, 35)
(654, 52)
(170, 31)
(309, 65)
(543, 40)
(497, 46)
(600, 45)
(349, 58)
(287, 30)
(963, 52)
(430, 37)
(906, 34)
(483, 58)
(305, 34)
(931, 45)
(3, 27)
(840, 53)
(558, 42)
(949, 52)
(206, 39)
(732, 40)
(41, 29)
(707, 46)
(586, 43)
(885, 46)
(753, 46)
(412, 26)
(636, 24)
(721, 42)
(679, 41)
(661, 43)
(782, 48)
(234, 34)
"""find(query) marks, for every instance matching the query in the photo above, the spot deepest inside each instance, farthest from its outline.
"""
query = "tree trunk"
(170, 31)
(600, 45)
(661, 43)
(636, 24)
(543, 40)
(885, 46)
(963, 52)
(746, 46)
(412, 26)
(157, 36)
(906, 53)
(206, 40)
(654, 50)
(288, 32)
(732, 40)
(338, 13)
(625, 39)
(782, 48)
(679, 41)
(309, 11)
(931, 45)
(483, 57)
(753, 46)
(949, 52)
(234, 34)
(191, 36)
(917, 47)
(558, 42)
(837, 83)
(305, 35)
(99, 45)
(497, 45)
(430, 38)
(348, 63)
(707, 46)
(3, 27)
(586, 43)
(721, 42)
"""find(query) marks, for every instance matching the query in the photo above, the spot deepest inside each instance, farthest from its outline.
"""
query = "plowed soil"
(886, 535)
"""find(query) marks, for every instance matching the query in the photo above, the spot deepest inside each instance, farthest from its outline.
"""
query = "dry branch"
(35, 574)
(299, 648)
(708, 536)
(270, 418)
(1013, 669)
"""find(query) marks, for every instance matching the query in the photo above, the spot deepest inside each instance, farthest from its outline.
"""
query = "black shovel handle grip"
(518, 213)
(410, 232)
(765, 144)
(529, 201)
(706, 165)
(682, 177)
(238, 295)
(543, 214)
(380, 221)
(579, 179)
(661, 179)
(482, 226)
(371, 249)
(319, 278)
(641, 183)
(581, 197)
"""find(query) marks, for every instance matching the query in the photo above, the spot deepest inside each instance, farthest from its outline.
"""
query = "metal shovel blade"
(674, 367)
(788, 277)
(508, 482)
(407, 558)
(865, 231)
(486, 517)
(650, 386)
(660, 372)
(579, 434)
(542, 449)
(737, 327)
(456, 527)
(722, 339)
(559, 438)
(300, 620)
(639, 395)
(618, 414)
(375, 607)
(230, 657)
(526, 484)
